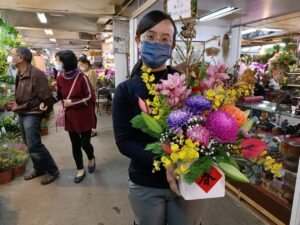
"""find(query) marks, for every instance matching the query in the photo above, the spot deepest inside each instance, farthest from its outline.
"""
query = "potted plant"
(44, 127)
(5, 166)
(19, 159)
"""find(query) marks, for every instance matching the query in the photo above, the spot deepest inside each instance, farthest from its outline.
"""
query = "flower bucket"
(210, 185)
(18, 171)
(6, 176)
(44, 131)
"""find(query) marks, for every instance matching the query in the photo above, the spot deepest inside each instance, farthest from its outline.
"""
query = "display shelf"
(269, 107)
(270, 205)
(293, 85)
(295, 141)
(293, 73)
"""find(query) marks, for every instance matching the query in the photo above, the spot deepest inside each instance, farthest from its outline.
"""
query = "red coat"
(79, 117)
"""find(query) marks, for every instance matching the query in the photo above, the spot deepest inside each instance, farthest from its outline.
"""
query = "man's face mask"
(155, 54)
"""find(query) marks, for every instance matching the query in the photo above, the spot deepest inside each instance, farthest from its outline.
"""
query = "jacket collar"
(27, 72)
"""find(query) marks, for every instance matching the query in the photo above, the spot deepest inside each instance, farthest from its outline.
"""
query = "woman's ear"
(137, 40)
(173, 45)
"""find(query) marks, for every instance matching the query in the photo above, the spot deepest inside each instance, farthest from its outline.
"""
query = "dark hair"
(68, 58)
(25, 53)
(148, 21)
(84, 59)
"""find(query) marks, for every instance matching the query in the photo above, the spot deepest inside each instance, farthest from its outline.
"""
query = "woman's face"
(82, 66)
(162, 32)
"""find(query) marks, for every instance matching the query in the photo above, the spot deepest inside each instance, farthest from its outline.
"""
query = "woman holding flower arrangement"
(154, 197)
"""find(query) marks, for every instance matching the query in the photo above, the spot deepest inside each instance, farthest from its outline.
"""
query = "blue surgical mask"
(155, 54)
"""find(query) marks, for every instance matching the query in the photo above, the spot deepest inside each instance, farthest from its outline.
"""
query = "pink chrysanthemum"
(174, 87)
(222, 126)
(199, 133)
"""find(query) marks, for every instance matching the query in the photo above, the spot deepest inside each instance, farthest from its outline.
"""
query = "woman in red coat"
(79, 111)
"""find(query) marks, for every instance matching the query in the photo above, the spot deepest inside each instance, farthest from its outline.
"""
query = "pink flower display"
(174, 88)
(199, 133)
(215, 76)
(222, 126)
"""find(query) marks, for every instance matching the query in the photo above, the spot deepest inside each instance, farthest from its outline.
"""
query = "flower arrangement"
(197, 130)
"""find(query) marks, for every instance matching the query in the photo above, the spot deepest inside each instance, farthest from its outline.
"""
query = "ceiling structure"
(69, 20)
(257, 14)
(82, 25)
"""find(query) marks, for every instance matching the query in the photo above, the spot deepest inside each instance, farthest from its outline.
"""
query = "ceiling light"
(52, 39)
(271, 29)
(219, 13)
(109, 40)
(48, 31)
(248, 31)
(42, 17)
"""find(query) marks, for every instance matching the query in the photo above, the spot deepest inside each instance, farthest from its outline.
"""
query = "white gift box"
(206, 186)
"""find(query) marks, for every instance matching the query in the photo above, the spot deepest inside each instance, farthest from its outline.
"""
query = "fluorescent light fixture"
(42, 17)
(52, 39)
(109, 40)
(219, 13)
(48, 31)
(248, 31)
(271, 29)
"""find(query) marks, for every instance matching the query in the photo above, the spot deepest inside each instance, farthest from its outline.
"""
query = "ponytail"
(136, 68)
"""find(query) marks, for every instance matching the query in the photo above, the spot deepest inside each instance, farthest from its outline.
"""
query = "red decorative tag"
(207, 181)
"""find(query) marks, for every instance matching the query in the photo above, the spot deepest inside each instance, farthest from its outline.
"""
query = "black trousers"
(81, 140)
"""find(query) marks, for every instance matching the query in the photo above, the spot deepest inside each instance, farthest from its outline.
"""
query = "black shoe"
(92, 168)
(93, 133)
(33, 175)
(49, 178)
(77, 179)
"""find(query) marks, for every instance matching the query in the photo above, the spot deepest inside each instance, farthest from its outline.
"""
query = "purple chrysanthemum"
(197, 104)
(178, 118)
(222, 126)
(199, 133)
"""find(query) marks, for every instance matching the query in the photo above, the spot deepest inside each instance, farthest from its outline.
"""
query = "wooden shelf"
(293, 85)
(263, 201)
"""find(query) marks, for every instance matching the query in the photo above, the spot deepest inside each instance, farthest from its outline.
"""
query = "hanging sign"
(181, 8)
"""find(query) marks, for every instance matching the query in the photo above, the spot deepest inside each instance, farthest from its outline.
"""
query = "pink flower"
(252, 147)
(174, 88)
(144, 107)
(215, 77)
(199, 133)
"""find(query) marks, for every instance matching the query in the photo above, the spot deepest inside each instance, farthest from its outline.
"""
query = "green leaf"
(155, 148)
(197, 168)
(138, 123)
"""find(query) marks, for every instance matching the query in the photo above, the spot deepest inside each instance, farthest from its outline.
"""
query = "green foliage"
(44, 123)
(6, 162)
(155, 148)
(166, 109)
(19, 157)
(138, 123)
(203, 164)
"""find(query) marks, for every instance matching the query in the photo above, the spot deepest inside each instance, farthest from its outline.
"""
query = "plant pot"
(44, 131)
(18, 171)
(6, 176)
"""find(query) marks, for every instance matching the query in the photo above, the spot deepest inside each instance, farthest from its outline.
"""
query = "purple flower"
(222, 126)
(178, 118)
(197, 104)
(199, 133)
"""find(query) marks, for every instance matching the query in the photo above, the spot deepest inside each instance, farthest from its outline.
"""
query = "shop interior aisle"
(101, 199)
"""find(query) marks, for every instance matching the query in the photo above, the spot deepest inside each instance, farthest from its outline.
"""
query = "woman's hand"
(171, 178)
(67, 102)
(43, 107)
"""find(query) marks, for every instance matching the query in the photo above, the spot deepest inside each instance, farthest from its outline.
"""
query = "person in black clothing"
(154, 197)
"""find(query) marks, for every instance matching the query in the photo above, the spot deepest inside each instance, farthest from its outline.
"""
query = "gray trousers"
(153, 206)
